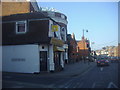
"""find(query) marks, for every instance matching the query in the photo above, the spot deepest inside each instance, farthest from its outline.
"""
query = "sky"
(99, 18)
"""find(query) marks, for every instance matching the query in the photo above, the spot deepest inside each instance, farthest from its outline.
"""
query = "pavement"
(72, 69)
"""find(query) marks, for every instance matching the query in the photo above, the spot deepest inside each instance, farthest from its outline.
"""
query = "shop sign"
(56, 42)
(54, 28)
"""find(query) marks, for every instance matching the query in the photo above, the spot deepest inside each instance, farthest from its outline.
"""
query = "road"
(94, 77)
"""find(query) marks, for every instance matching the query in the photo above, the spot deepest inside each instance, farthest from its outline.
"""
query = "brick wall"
(82, 48)
(15, 7)
(73, 50)
(82, 45)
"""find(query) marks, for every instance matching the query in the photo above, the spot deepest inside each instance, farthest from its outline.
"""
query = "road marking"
(76, 85)
(80, 86)
(112, 84)
(87, 70)
(68, 83)
(98, 85)
(101, 68)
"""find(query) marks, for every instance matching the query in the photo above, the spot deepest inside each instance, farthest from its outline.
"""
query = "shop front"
(58, 52)
(58, 58)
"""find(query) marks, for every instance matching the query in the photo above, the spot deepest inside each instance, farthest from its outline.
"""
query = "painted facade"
(32, 43)
(61, 19)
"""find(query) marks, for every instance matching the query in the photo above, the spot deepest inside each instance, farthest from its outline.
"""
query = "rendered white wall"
(45, 47)
(51, 58)
(51, 34)
(21, 58)
(62, 62)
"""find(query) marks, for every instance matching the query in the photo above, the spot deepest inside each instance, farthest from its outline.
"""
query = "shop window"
(63, 30)
(21, 27)
(55, 35)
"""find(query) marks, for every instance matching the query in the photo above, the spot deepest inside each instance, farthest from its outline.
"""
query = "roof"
(14, 17)
(23, 16)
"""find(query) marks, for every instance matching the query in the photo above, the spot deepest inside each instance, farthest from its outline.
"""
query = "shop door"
(57, 60)
(43, 60)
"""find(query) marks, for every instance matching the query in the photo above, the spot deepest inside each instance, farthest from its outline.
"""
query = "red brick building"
(9, 8)
(72, 48)
(83, 48)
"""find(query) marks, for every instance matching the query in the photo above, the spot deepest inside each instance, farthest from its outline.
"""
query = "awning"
(56, 42)
(65, 46)
(60, 49)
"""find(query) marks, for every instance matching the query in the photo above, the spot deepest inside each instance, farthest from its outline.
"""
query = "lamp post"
(92, 49)
(92, 43)
(83, 32)
(84, 45)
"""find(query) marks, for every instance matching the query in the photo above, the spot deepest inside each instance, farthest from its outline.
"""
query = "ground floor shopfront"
(32, 58)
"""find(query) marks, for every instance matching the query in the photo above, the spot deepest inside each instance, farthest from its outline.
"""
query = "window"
(21, 27)
(63, 33)
(57, 14)
(55, 35)
(62, 16)
(87, 45)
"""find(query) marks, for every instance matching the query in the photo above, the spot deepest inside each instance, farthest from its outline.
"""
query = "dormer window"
(21, 27)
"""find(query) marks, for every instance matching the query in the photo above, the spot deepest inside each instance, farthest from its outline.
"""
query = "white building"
(62, 20)
(32, 43)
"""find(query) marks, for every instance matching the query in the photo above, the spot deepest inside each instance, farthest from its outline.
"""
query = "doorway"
(43, 60)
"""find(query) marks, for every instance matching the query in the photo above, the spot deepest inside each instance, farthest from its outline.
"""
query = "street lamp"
(83, 32)
(92, 43)
(92, 50)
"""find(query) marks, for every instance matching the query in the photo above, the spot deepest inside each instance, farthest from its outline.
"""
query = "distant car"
(102, 62)
(114, 59)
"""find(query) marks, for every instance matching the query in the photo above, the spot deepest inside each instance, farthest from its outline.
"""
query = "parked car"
(102, 62)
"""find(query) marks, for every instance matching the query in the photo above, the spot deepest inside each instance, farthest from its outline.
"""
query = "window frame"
(21, 22)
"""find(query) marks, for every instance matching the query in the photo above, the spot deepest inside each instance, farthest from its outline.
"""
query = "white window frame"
(18, 22)
(64, 33)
